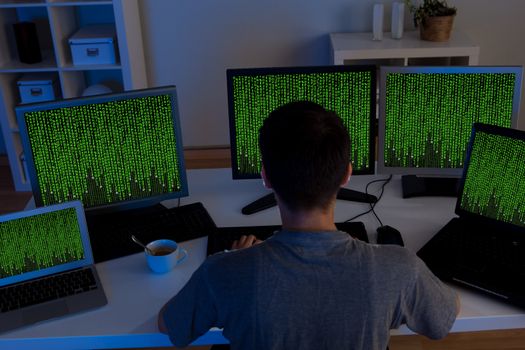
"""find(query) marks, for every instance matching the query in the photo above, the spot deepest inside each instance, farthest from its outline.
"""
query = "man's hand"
(245, 242)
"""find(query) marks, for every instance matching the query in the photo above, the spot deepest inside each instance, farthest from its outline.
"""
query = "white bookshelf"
(56, 21)
(359, 48)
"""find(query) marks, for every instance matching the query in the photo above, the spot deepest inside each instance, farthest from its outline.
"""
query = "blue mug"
(164, 254)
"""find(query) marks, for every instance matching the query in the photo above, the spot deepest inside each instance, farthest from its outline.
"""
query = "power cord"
(372, 205)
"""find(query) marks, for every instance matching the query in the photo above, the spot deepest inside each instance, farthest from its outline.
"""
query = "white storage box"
(94, 44)
(38, 88)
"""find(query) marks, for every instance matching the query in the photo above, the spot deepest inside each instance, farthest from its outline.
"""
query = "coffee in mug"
(163, 255)
(162, 251)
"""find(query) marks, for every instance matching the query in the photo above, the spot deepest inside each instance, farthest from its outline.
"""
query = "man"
(308, 286)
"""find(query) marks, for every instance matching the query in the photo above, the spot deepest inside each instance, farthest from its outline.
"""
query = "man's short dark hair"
(305, 152)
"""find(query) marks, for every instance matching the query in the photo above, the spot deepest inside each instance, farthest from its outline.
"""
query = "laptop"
(484, 247)
(46, 265)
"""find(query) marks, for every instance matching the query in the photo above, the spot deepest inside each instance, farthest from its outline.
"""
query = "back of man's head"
(305, 153)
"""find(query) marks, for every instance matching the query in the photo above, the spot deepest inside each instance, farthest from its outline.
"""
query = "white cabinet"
(57, 21)
(359, 48)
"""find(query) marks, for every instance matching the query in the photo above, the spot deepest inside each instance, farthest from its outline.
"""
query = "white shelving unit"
(359, 48)
(56, 21)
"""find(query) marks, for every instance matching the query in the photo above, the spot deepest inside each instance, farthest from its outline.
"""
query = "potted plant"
(433, 17)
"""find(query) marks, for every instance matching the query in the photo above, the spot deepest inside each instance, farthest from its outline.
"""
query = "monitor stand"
(416, 186)
(345, 194)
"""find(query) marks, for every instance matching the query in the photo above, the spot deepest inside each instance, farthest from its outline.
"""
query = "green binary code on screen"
(429, 117)
(40, 241)
(104, 153)
(495, 180)
(346, 93)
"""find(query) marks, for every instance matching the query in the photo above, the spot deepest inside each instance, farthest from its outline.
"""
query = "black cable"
(372, 205)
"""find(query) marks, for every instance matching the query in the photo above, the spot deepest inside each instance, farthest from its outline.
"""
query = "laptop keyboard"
(110, 235)
(478, 246)
(489, 248)
(222, 238)
(46, 289)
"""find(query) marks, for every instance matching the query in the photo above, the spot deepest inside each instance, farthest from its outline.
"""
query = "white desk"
(135, 295)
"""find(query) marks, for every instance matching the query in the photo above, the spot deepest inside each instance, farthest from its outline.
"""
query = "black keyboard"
(222, 238)
(474, 245)
(477, 249)
(46, 289)
(110, 235)
(481, 256)
(477, 246)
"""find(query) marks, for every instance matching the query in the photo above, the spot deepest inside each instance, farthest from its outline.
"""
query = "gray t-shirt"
(300, 290)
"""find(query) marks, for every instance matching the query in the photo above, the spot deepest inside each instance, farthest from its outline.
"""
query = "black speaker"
(27, 42)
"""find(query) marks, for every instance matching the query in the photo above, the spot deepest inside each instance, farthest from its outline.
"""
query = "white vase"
(398, 18)
(377, 22)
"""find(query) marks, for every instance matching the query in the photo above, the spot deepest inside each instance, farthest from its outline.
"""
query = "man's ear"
(266, 183)
(348, 174)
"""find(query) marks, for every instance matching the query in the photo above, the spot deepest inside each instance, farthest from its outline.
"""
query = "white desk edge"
(128, 282)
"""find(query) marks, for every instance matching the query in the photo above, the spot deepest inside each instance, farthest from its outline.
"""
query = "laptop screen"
(494, 177)
(42, 241)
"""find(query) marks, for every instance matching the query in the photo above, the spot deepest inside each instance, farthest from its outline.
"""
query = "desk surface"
(135, 294)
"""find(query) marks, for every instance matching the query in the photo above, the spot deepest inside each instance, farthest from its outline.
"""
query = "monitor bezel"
(231, 73)
(446, 172)
(495, 130)
(72, 102)
(81, 220)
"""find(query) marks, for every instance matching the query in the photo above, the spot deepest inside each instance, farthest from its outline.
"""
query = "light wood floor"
(218, 158)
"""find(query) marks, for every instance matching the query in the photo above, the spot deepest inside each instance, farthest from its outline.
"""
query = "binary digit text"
(495, 180)
(346, 93)
(429, 116)
(38, 242)
(107, 152)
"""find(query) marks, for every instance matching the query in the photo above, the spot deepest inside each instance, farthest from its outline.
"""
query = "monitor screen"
(427, 113)
(350, 91)
(111, 152)
(493, 184)
(43, 241)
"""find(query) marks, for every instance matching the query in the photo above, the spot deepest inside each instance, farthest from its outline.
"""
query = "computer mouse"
(389, 235)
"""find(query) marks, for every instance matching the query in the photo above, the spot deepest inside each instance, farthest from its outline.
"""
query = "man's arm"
(429, 307)
(162, 325)
(190, 313)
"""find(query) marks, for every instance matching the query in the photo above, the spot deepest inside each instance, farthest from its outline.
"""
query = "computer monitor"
(493, 182)
(113, 152)
(350, 91)
(426, 116)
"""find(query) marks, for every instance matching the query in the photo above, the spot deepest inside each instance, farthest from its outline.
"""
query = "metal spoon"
(135, 239)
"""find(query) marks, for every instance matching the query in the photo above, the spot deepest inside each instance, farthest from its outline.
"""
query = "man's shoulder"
(231, 270)
(393, 257)
(395, 252)
(233, 259)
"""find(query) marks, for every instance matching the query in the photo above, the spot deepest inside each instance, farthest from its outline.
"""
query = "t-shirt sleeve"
(192, 312)
(428, 306)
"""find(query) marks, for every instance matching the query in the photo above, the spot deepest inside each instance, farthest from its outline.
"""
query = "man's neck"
(314, 220)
